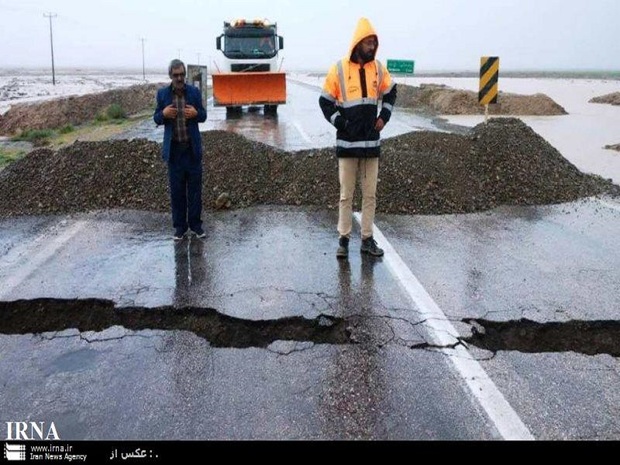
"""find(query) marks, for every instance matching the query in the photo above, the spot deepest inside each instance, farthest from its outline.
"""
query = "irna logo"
(31, 431)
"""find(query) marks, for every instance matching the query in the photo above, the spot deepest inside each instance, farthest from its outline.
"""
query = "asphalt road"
(111, 330)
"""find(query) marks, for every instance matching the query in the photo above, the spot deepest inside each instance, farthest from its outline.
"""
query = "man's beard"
(366, 57)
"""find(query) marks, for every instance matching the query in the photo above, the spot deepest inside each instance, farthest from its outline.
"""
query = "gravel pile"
(503, 162)
(612, 99)
(54, 114)
(439, 99)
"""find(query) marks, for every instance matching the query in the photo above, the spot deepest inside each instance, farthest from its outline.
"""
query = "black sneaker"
(179, 234)
(343, 247)
(369, 246)
(199, 233)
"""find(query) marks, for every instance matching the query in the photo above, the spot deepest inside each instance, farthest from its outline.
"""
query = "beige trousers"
(348, 169)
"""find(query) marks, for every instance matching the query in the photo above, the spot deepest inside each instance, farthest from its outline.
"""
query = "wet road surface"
(255, 265)
(259, 332)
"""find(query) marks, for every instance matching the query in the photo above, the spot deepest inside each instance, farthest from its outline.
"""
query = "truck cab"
(250, 74)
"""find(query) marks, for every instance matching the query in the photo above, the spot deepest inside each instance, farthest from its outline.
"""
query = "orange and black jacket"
(350, 99)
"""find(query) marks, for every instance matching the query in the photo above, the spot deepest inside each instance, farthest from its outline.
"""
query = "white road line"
(21, 264)
(443, 333)
(302, 132)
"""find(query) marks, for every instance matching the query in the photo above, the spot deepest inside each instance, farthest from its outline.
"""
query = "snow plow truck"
(250, 75)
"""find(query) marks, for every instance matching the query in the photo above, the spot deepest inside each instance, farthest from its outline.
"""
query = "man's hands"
(190, 112)
(379, 124)
(171, 112)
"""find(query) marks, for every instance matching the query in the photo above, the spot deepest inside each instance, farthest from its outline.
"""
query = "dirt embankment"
(54, 114)
(438, 99)
(612, 99)
(503, 162)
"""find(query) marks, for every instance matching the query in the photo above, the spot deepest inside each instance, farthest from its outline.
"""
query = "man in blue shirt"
(180, 109)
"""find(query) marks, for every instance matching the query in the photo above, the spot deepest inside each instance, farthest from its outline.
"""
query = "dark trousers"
(185, 178)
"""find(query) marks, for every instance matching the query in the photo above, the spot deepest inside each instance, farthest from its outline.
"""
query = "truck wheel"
(233, 112)
(271, 109)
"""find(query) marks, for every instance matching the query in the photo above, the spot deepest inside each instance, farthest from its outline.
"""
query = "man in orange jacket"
(353, 90)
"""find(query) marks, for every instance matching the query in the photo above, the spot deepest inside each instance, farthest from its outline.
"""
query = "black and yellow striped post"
(489, 77)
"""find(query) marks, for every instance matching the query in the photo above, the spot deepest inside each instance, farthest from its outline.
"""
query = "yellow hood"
(363, 30)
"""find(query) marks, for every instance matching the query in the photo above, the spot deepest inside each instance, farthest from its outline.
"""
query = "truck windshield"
(249, 47)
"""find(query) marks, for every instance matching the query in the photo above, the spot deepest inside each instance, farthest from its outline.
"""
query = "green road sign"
(400, 66)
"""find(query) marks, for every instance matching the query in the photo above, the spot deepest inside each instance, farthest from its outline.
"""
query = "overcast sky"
(437, 34)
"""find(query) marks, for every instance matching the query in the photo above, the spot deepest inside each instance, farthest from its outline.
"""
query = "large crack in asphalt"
(584, 337)
(52, 315)
(47, 315)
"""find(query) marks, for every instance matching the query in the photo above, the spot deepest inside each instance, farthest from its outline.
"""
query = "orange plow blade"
(236, 89)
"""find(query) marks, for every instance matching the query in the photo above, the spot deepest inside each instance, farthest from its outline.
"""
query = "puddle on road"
(584, 337)
(52, 315)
